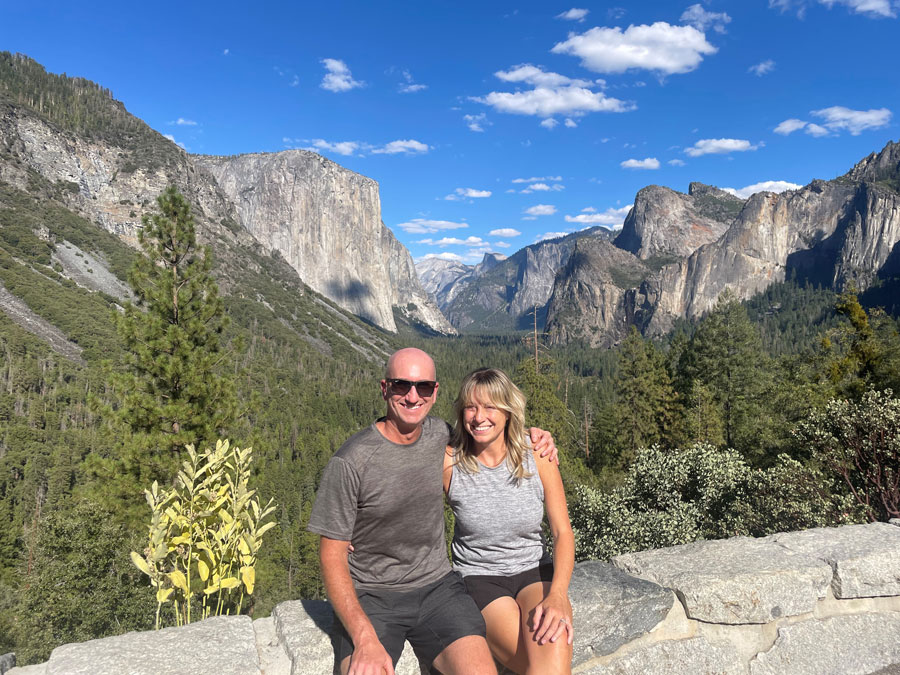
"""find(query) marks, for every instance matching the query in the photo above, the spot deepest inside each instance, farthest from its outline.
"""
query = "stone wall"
(820, 601)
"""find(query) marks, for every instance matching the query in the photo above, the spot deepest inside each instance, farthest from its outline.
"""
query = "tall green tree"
(174, 388)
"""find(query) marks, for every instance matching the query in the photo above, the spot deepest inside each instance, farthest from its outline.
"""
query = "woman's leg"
(502, 619)
(550, 657)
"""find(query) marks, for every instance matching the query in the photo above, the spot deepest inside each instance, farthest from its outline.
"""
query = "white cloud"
(345, 148)
(762, 68)
(533, 212)
(612, 217)
(537, 179)
(502, 244)
(295, 81)
(184, 123)
(546, 102)
(504, 232)
(589, 209)
(700, 19)
(814, 129)
(467, 193)
(446, 255)
(226, 52)
(550, 235)
(172, 138)
(719, 146)
(765, 186)
(549, 123)
(874, 9)
(407, 147)
(338, 77)
(476, 122)
(855, 121)
(426, 226)
(570, 123)
(409, 86)
(453, 241)
(676, 162)
(659, 47)
(543, 187)
(789, 126)
(648, 163)
(537, 77)
(574, 14)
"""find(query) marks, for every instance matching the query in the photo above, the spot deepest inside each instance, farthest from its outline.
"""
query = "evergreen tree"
(173, 390)
(645, 400)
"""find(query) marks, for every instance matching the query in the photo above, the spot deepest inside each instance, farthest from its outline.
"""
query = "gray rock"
(695, 656)
(612, 608)
(841, 645)
(273, 660)
(733, 581)
(222, 645)
(865, 558)
(303, 626)
(895, 521)
(7, 662)
(36, 669)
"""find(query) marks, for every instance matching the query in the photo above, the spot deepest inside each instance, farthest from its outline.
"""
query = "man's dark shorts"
(431, 618)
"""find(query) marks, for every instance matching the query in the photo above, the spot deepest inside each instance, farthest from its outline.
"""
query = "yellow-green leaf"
(243, 547)
(178, 580)
(140, 563)
(162, 595)
(229, 582)
(248, 576)
(203, 568)
(265, 528)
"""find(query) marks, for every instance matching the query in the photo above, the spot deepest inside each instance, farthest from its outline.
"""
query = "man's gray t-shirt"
(387, 500)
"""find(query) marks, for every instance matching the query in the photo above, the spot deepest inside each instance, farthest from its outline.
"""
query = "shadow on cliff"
(355, 291)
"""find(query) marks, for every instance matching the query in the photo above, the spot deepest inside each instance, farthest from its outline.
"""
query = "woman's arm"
(554, 614)
(448, 468)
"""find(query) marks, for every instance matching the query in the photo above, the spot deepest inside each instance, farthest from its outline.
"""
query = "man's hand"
(542, 442)
(370, 658)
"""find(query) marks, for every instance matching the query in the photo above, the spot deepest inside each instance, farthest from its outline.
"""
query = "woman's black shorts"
(484, 588)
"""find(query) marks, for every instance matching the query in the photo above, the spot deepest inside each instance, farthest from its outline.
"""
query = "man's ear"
(384, 390)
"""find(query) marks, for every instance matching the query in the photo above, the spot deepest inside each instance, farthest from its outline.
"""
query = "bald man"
(383, 491)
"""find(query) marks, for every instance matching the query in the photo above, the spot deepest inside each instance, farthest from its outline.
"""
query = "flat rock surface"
(865, 559)
(696, 656)
(303, 627)
(612, 608)
(222, 645)
(734, 581)
(841, 645)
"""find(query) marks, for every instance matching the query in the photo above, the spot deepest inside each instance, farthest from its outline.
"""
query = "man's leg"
(468, 655)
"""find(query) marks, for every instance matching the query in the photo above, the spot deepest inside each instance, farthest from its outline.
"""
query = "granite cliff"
(326, 222)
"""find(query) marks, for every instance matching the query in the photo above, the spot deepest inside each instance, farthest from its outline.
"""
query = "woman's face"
(484, 422)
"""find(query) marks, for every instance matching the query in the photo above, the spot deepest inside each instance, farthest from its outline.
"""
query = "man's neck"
(400, 434)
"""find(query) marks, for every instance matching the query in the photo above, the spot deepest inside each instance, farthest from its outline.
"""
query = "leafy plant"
(205, 535)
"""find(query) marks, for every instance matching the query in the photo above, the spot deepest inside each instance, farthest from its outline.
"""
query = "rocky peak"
(490, 261)
(883, 167)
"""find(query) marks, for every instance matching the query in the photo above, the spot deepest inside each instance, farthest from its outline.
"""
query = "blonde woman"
(498, 490)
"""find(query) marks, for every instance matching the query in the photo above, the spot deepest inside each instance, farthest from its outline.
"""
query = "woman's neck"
(491, 455)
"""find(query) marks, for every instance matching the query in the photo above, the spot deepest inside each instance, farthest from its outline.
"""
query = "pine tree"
(173, 390)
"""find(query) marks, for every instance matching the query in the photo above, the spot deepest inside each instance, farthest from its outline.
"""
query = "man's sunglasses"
(424, 388)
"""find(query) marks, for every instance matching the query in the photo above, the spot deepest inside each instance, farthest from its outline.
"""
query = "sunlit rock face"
(325, 220)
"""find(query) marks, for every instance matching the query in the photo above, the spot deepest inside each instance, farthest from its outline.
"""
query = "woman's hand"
(552, 617)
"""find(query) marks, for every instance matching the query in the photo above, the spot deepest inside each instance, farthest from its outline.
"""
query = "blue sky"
(491, 125)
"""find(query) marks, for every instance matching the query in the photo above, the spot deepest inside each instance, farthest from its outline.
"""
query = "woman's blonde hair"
(495, 386)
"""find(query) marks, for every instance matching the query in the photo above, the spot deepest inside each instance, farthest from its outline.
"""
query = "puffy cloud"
(467, 193)
(476, 122)
(700, 19)
(407, 147)
(549, 123)
(502, 244)
(446, 255)
(184, 123)
(453, 241)
(719, 146)
(533, 212)
(874, 9)
(855, 121)
(765, 186)
(675, 162)
(537, 179)
(172, 138)
(648, 163)
(611, 217)
(658, 47)
(570, 123)
(341, 148)
(762, 68)
(546, 102)
(550, 235)
(505, 232)
(589, 209)
(537, 77)
(409, 86)
(574, 15)
(543, 187)
(789, 126)
(814, 129)
(338, 78)
(426, 226)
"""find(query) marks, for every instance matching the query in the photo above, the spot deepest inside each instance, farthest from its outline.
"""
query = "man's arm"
(369, 655)
(542, 443)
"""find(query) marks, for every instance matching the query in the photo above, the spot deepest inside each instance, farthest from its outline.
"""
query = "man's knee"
(468, 655)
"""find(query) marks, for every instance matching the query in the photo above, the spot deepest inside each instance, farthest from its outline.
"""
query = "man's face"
(408, 409)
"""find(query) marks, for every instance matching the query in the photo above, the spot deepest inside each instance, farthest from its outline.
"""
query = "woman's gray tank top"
(498, 520)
